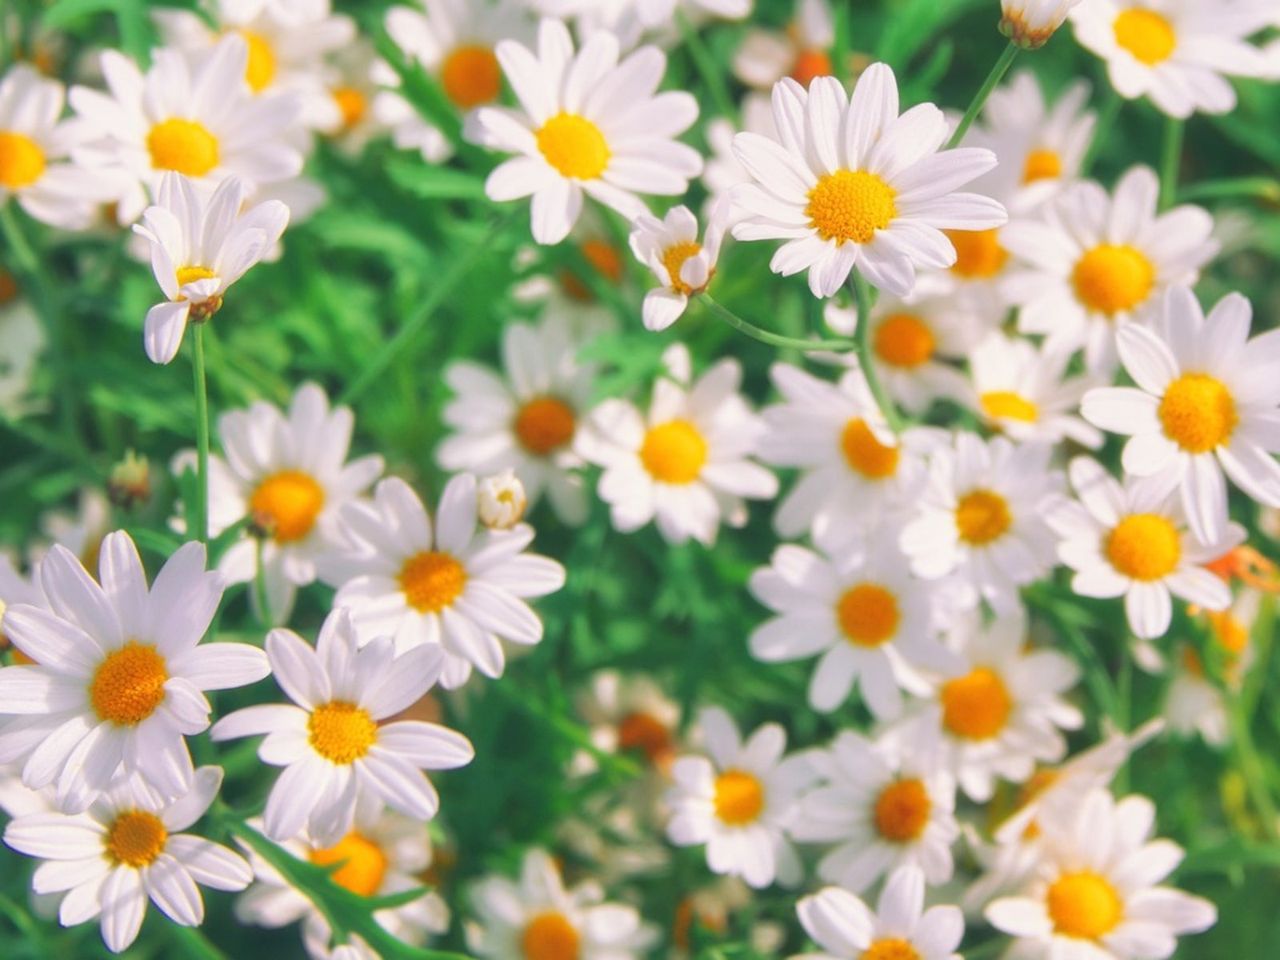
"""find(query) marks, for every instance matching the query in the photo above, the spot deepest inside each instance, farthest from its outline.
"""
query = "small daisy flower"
(527, 418)
(1194, 704)
(884, 809)
(683, 265)
(740, 801)
(1090, 262)
(198, 249)
(126, 849)
(981, 517)
(631, 713)
(334, 741)
(538, 919)
(1177, 52)
(118, 672)
(351, 82)
(802, 52)
(1096, 893)
(900, 928)
(1030, 23)
(851, 185)
(685, 464)
(587, 124)
(501, 500)
(444, 584)
(1205, 403)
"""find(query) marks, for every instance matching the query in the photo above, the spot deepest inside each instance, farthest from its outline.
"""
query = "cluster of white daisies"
(1010, 293)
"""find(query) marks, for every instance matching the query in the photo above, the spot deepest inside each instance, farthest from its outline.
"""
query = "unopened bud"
(1030, 23)
(501, 500)
(129, 484)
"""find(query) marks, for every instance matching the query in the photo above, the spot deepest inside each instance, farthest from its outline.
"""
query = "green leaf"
(414, 176)
(153, 541)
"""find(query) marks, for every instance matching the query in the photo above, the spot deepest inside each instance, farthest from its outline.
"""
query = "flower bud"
(1030, 23)
(501, 500)
(129, 484)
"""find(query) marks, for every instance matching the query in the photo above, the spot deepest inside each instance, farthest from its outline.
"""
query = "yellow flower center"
(1144, 546)
(892, 948)
(431, 580)
(1198, 412)
(1145, 34)
(850, 205)
(341, 732)
(646, 733)
(868, 614)
(1232, 635)
(1041, 165)
(544, 425)
(129, 684)
(21, 160)
(471, 76)
(904, 340)
(674, 452)
(1007, 405)
(352, 104)
(363, 863)
(135, 838)
(184, 146)
(288, 503)
(977, 705)
(550, 936)
(739, 797)
(574, 146)
(902, 811)
(260, 67)
(185, 275)
(1111, 279)
(810, 64)
(978, 253)
(982, 516)
(1084, 905)
(606, 261)
(865, 454)
(673, 259)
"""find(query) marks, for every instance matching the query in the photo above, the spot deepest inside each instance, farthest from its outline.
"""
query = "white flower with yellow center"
(198, 249)
(630, 712)
(683, 264)
(1205, 403)
(201, 122)
(126, 849)
(802, 52)
(536, 918)
(849, 184)
(1132, 541)
(335, 742)
(587, 124)
(1177, 52)
(686, 463)
(981, 518)
(1096, 892)
(448, 584)
(899, 929)
(1090, 262)
(883, 809)
(1023, 391)
(1030, 23)
(525, 419)
(118, 672)
(740, 801)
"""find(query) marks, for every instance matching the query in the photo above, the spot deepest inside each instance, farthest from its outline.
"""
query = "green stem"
(1266, 189)
(1251, 768)
(862, 296)
(773, 339)
(979, 101)
(260, 585)
(202, 434)
(712, 75)
(1171, 161)
(1107, 117)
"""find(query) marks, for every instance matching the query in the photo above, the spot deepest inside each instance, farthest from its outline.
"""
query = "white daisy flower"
(1205, 403)
(1030, 23)
(1177, 52)
(334, 741)
(126, 849)
(1096, 892)
(119, 672)
(1193, 703)
(883, 808)
(198, 249)
(683, 265)
(802, 52)
(501, 500)
(589, 124)
(1090, 262)
(981, 518)
(655, 14)
(850, 184)
(538, 919)
(527, 418)
(740, 801)
(628, 712)
(685, 464)
(449, 585)
(899, 929)
(351, 82)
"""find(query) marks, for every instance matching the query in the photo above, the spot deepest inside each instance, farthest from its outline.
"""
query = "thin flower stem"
(773, 339)
(1107, 117)
(260, 584)
(202, 434)
(979, 101)
(1251, 768)
(711, 74)
(1171, 161)
(862, 296)
(1266, 189)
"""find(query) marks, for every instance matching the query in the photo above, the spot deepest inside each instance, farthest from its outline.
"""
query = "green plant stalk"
(862, 296)
(1252, 769)
(1107, 117)
(773, 339)
(1171, 161)
(997, 73)
(1266, 189)
(712, 75)
(260, 585)
(202, 433)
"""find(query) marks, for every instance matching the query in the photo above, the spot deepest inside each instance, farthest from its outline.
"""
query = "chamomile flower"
(501, 500)
(883, 809)
(802, 52)
(1195, 704)
(846, 928)
(126, 849)
(445, 584)
(1030, 23)
(118, 672)
(198, 249)
(525, 419)
(1096, 892)
(1092, 262)
(1177, 52)
(683, 264)
(851, 185)
(334, 741)
(587, 124)
(631, 713)
(686, 463)
(981, 518)
(1205, 403)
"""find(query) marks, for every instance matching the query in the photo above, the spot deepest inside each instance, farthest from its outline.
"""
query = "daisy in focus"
(683, 264)
(802, 52)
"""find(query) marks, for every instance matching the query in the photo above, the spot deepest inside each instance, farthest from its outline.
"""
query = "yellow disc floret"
(288, 503)
(904, 340)
(1112, 279)
(260, 67)
(471, 76)
(977, 705)
(865, 454)
(674, 452)
(891, 948)
(128, 685)
(574, 146)
(1144, 546)
(1041, 165)
(850, 206)
(550, 936)
(341, 731)
(22, 161)
(1007, 405)
(432, 580)
(184, 146)
(902, 810)
(739, 797)
(982, 516)
(1145, 34)
(1198, 412)
(544, 425)
(364, 864)
(673, 259)
(352, 105)
(1084, 905)
(868, 614)
(135, 838)
(979, 254)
